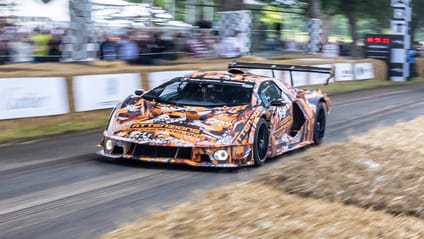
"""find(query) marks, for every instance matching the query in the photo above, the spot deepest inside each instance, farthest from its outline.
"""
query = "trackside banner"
(364, 71)
(93, 92)
(344, 72)
(32, 97)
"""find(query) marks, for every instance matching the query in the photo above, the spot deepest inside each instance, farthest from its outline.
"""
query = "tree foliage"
(417, 17)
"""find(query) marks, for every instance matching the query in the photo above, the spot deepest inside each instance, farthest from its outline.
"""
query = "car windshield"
(202, 92)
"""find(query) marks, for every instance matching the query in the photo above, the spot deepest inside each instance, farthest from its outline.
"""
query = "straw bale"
(420, 65)
(382, 170)
(405, 136)
(252, 210)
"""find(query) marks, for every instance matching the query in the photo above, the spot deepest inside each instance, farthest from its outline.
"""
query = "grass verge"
(32, 128)
(26, 129)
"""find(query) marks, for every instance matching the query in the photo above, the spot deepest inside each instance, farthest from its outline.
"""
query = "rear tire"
(320, 123)
(260, 142)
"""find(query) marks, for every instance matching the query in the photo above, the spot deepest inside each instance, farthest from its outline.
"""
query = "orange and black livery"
(227, 118)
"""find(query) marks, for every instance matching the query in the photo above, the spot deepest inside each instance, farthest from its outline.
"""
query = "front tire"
(260, 142)
(320, 123)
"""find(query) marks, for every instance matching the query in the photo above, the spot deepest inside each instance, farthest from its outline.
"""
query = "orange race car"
(218, 119)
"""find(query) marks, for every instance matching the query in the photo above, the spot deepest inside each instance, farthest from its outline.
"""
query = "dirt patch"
(258, 211)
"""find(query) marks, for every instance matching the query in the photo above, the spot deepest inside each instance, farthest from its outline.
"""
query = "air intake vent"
(143, 150)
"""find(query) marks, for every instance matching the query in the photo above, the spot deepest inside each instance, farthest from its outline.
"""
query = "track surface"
(58, 188)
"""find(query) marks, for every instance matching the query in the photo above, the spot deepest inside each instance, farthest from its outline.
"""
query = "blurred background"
(157, 31)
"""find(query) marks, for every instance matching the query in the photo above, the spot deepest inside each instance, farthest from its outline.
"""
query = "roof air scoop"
(236, 71)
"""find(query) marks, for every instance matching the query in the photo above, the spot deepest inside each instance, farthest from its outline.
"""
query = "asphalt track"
(58, 188)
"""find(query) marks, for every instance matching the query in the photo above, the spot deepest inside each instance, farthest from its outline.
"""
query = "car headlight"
(220, 155)
(109, 145)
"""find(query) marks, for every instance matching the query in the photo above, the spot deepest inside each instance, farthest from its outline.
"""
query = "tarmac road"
(58, 188)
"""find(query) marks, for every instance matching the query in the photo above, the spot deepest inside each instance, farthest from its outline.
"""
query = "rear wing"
(289, 68)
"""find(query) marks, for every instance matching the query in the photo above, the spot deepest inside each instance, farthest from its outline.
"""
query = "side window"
(268, 91)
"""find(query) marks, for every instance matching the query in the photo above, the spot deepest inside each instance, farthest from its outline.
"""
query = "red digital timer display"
(381, 40)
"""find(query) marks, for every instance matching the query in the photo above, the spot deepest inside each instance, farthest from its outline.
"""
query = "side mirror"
(279, 102)
(139, 92)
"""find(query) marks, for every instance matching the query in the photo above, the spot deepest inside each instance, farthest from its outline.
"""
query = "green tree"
(417, 17)
(314, 8)
(376, 10)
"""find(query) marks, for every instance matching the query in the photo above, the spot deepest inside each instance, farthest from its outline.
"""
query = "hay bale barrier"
(371, 187)
(381, 170)
(252, 210)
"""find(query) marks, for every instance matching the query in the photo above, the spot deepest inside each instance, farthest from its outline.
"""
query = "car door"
(280, 116)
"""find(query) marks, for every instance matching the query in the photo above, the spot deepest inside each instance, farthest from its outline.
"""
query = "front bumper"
(212, 164)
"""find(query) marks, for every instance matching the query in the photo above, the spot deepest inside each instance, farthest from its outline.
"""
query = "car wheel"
(319, 126)
(260, 143)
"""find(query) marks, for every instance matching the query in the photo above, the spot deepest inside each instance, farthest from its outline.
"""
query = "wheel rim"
(262, 142)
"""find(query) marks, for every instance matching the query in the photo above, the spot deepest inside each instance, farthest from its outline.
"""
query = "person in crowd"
(155, 47)
(230, 47)
(108, 49)
(145, 45)
(3, 48)
(418, 47)
(21, 49)
(215, 45)
(54, 45)
(197, 46)
(262, 29)
(411, 53)
(128, 49)
(40, 41)
(180, 43)
(169, 47)
(209, 37)
(240, 39)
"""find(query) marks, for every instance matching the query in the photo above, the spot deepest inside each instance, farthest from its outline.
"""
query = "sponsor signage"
(299, 78)
(157, 78)
(317, 78)
(93, 92)
(363, 71)
(32, 97)
(343, 72)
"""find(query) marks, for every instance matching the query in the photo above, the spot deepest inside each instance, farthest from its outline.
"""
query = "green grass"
(17, 130)
(44, 127)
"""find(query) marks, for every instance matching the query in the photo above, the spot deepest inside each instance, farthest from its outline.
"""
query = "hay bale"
(380, 69)
(258, 211)
(108, 63)
(382, 170)
(420, 65)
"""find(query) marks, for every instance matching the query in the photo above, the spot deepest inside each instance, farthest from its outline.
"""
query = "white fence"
(31, 97)
(94, 92)
(44, 96)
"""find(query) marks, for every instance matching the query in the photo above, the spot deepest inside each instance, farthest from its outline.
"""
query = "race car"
(227, 118)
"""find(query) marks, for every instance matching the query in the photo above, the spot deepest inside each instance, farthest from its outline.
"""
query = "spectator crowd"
(135, 46)
(147, 47)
